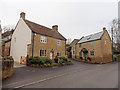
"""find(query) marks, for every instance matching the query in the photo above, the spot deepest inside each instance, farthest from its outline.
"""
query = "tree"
(8, 28)
(115, 31)
(68, 41)
(69, 49)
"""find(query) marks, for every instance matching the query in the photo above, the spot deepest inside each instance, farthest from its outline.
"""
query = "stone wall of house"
(106, 47)
(50, 45)
(102, 49)
(7, 49)
(96, 48)
(7, 68)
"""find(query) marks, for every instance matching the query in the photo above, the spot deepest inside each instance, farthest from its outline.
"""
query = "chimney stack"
(104, 28)
(22, 15)
(55, 27)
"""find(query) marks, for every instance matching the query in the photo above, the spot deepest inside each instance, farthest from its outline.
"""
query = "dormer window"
(43, 39)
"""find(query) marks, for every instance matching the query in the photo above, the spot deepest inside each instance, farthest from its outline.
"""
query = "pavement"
(78, 75)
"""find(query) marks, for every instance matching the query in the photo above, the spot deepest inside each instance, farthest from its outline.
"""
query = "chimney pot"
(22, 15)
(104, 28)
(55, 27)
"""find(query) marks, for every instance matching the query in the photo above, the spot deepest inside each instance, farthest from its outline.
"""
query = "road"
(78, 75)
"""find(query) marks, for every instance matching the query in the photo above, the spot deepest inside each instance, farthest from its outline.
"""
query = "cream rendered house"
(20, 39)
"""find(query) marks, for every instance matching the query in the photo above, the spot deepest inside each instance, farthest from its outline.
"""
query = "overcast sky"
(75, 18)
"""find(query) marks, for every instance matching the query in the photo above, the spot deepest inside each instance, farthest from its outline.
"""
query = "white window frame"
(59, 42)
(43, 39)
(42, 53)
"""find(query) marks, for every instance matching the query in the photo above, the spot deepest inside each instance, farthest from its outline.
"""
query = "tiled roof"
(39, 29)
(5, 34)
(91, 37)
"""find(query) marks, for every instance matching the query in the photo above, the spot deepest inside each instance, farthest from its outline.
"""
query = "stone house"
(96, 48)
(32, 39)
(6, 43)
(73, 45)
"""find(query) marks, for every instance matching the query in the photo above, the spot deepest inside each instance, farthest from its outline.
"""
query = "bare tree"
(68, 41)
(8, 28)
(115, 31)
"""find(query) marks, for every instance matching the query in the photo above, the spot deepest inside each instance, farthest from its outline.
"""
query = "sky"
(75, 18)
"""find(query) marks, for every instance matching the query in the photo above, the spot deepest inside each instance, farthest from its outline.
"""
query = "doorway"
(51, 55)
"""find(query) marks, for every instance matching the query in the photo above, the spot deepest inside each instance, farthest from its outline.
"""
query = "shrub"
(118, 57)
(63, 58)
(39, 60)
(69, 49)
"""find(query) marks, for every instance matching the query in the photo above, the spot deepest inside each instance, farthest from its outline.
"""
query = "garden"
(46, 62)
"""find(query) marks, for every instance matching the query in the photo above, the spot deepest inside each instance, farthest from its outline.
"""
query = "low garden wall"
(7, 68)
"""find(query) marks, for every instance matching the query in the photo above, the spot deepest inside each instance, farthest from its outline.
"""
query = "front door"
(51, 55)
(85, 56)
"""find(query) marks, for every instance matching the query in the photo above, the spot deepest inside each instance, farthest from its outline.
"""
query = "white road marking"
(31, 79)
(42, 80)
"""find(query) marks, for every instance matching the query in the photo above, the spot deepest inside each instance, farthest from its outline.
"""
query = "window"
(105, 42)
(91, 43)
(43, 39)
(59, 42)
(15, 39)
(58, 54)
(92, 53)
(42, 52)
(80, 45)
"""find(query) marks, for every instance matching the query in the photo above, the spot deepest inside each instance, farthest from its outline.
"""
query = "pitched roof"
(5, 34)
(91, 37)
(39, 29)
(74, 41)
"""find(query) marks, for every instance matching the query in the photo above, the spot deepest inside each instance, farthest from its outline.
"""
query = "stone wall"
(50, 45)
(7, 68)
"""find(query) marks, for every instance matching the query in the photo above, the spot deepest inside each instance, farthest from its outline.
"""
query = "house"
(96, 48)
(6, 43)
(73, 49)
(32, 39)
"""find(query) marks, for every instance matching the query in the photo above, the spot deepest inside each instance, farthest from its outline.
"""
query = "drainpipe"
(33, 44)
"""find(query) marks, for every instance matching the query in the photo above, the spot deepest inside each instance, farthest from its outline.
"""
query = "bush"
(39, 60)
(46, 62)
(118, 57)
(63, 58)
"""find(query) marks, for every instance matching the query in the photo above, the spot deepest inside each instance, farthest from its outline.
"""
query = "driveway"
(78, 75)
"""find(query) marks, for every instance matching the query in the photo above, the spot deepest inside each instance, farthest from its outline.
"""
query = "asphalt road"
(78, 75)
